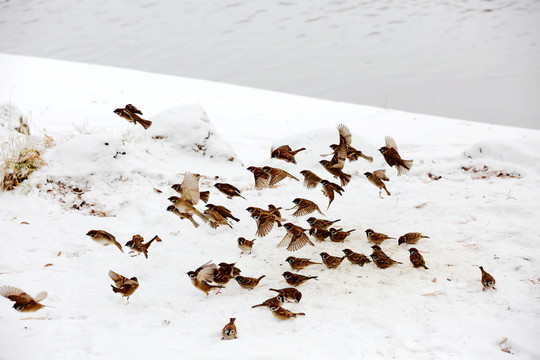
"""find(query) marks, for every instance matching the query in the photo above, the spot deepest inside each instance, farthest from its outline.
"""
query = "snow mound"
(506, 152)
(11, 117)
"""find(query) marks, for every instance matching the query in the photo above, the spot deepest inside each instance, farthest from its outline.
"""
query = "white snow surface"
(472, 218)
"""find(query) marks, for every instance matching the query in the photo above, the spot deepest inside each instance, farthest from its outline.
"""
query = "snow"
(473, 217)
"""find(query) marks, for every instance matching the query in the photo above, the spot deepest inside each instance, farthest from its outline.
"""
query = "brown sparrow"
(215, 219)
(320, 223)
(175, 211)
(337, 173)
(229, 190)
(392, 157)
(289, 294)
(277, 175)
(339, 235)
(417, 259)
(295, 238)
(104, 238)
(132, 117)
(304, 207)
(283, 314)
(353, 154)
(356, 258)
(375, 237)
(274, 210)
(229, 269)
(229, 331)
(331, 262)
(23, 301)
(411, 238)
(223, 211)
(488, 281)
(203, 195)
(275, 301)
(340, 151)
(262, 179)
(265, 220)
(381, 259)
(377, 178)
(190, 196)
(296, 279)
(201, 277)
(319, 234)
(136, 244)
(328, 189)
(245, 245)
(248, 282)
(310, 179)
(124, 286)
(285, 152)
(300, 263)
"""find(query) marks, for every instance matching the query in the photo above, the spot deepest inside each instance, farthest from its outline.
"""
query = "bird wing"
(41, 296)
(311, 180)
(277, 176)
(298, 242)
(264, 225)
(206, 272)
(15, 294)
(286, 240)
(390, 143)
(133, 109)
(262, 181)
(340, 154)
(381, 174)
(190, 188)
(106, 235)
(118, 279)
(305, 210)
(346, 133)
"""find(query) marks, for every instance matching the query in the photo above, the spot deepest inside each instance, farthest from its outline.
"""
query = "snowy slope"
(472, 218)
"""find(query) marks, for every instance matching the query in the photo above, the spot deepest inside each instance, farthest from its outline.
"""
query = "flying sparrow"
(289, 294)
(245, 245)
(201, 277)
(380, 259)
(104, 238)
(352, 153)
(229, 331)
(229, 190)
(340, 151)
(124, 286)
(23, 301)
(136, 244)
(277, 175)
(300, 263)
(285, 152)
(339, 235)
(283, 314)
(392, 157)
(223, 211)
(331, 262)
(262, 179)
(310, 179)
(377, 178)
(375, 237)
(132, 117)
(190, 196)
(328, 189)
(320, 223)
(215, 218)
(248, 282)
(417, 259)
(275, 301)
(356, 258)
(304, 207)
(411, 238)
(488, 281)
(203, 195)
(295, 238)
(175, 211)
(274, 210)
(265, 220)
(296, 279)
(319, 234)
(337, 173)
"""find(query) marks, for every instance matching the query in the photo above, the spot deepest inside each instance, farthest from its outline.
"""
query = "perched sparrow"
(203, 195)
(283, 314)
(104, 238)
(229, 331)
(411, 238)
(275, 301)
(392, 157)
(328, 190)
(488, 281)
(296, 279)
(417, 259)
(201, 277)
(338, 235)
(304, 207)
(337, 173)
(132, 117)
(124, 286)
(375, 237)
(356, 258)
(320, 223)
(133, 109)
(300, 263)
(262, 179)
(23, 301)
(331, 262)
(285, 152)
(310, 179)
(190, 196)
(277, 175)
(377, 178)
(228, 190)
(248, 282)
(223, 211)
(136, 244)
(380, 259)
(175, 211)
(295, 238)
(319, 234)
(289, 294)
(215, 218)
(229, 269)
(245, 245)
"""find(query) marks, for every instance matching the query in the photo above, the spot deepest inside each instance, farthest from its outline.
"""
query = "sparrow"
(417, 259)
(300, 263)
(203, 195)
(296, 279)
(381, 259)
(331, 262)
(375, 237)
(352, 153)
(339, 235)
(356, 258)
(124, 286)
(175, 211)
(377, 178)
(104, 238)
(319, 234)
(340, 151)
(245, 245)
(320, 223)
(262, 179)
(229, 269)
(274, 301)
(337, 173)
(229, 331)
(285, 152)
(310, 179)
(190, 196)
(392, 157)
(215, 218)
(488, 281)
(289, 294)
(201, 277)
(304, 207)
(274, 210)
(23, 301)
(411, 238)
(295, 238)
(136, 244)
(248, 282)
(277, 175)
(328, 189)
(132, 117)
(228, 190)
(283, 314)
(223, 211)
(265, 220)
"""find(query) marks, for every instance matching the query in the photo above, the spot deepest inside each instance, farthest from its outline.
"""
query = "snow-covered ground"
(472, 218)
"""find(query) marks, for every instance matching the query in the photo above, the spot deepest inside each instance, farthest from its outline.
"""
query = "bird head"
(324, 255)
(368, 174)
(290, 259)
(347, 251)
(413, 250)
(401, 240)
(287, 274)
(369, 232)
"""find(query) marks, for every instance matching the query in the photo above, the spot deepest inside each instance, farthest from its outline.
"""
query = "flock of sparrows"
(210, 276)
